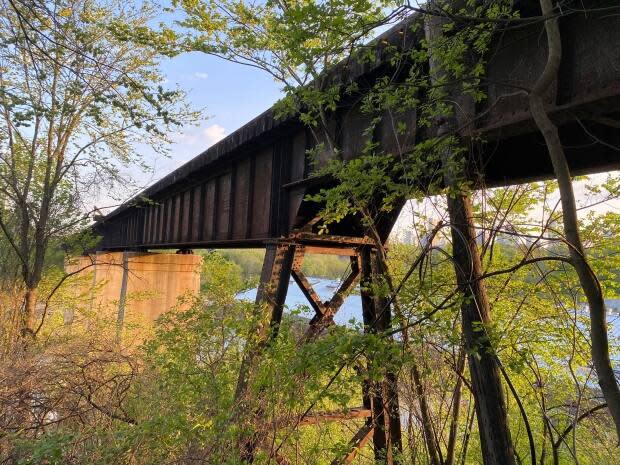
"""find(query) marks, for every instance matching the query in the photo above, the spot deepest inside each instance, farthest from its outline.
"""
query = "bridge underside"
(251, 186)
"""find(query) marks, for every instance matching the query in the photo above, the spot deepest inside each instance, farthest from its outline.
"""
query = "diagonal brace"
(325, 319)
(308, 291)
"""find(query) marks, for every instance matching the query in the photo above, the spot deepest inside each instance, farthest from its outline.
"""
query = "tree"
(589, 282)
(75, 99)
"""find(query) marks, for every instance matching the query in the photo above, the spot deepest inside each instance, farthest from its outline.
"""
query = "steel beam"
(270, 298)
(384, 394)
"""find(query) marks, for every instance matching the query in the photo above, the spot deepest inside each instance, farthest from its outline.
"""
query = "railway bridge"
(250, 189)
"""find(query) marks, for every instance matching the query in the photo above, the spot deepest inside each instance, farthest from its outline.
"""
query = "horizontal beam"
(354, 413)
(343, 251)
(342, 415)
(334, 240)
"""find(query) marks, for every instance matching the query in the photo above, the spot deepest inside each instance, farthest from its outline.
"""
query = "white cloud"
(201, 75)
(214, 133)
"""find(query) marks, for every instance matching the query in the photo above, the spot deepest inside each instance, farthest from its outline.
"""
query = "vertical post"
(383, 396)
(270, 298)
(120, 317)
(275, 277)
(390, 384)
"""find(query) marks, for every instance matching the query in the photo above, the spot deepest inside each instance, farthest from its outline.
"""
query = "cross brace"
(284, 259)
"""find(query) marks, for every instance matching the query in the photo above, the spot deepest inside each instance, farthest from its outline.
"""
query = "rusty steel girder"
(251, 186)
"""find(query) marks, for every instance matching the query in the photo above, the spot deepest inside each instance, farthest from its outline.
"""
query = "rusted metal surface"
(270, 298)
(309, 293)
(333, 250)
(328, 310)
(251, 186)
(324, 311)
(322, 417)
(310, 237)
(345, 287)
(354, 413)
(284, 258)
(357, 443)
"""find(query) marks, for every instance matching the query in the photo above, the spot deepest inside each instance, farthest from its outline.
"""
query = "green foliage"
(539, 328)
(180, 404)
(49, 449)
(75, 102)
(221, 277)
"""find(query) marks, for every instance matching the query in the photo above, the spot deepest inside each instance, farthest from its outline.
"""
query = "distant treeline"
(318, 266)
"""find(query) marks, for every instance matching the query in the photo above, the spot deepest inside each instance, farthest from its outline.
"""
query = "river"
(325, 288)
(352, 306)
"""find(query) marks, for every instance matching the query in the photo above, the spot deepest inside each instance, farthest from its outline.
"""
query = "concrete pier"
(139, 285)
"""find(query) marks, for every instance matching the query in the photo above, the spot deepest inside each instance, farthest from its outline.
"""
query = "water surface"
(351, 309)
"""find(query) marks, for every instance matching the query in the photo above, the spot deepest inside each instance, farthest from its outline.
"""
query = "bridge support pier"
(269, 304)
(283, 259)
(133, 284)
(377, 316)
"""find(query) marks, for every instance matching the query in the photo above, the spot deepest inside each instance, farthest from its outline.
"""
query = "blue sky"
(229, 95)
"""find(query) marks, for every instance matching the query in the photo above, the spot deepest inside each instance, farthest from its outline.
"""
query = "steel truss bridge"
(249, 190)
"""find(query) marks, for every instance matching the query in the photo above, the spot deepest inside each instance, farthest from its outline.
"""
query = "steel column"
(270, 299)
(383, 395)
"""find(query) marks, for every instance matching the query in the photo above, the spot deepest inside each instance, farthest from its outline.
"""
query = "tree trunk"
(497, 448)
(29, 315)
(469, 424)
(495, 440)
(456, 409)
(427, 425)
(587, 278)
